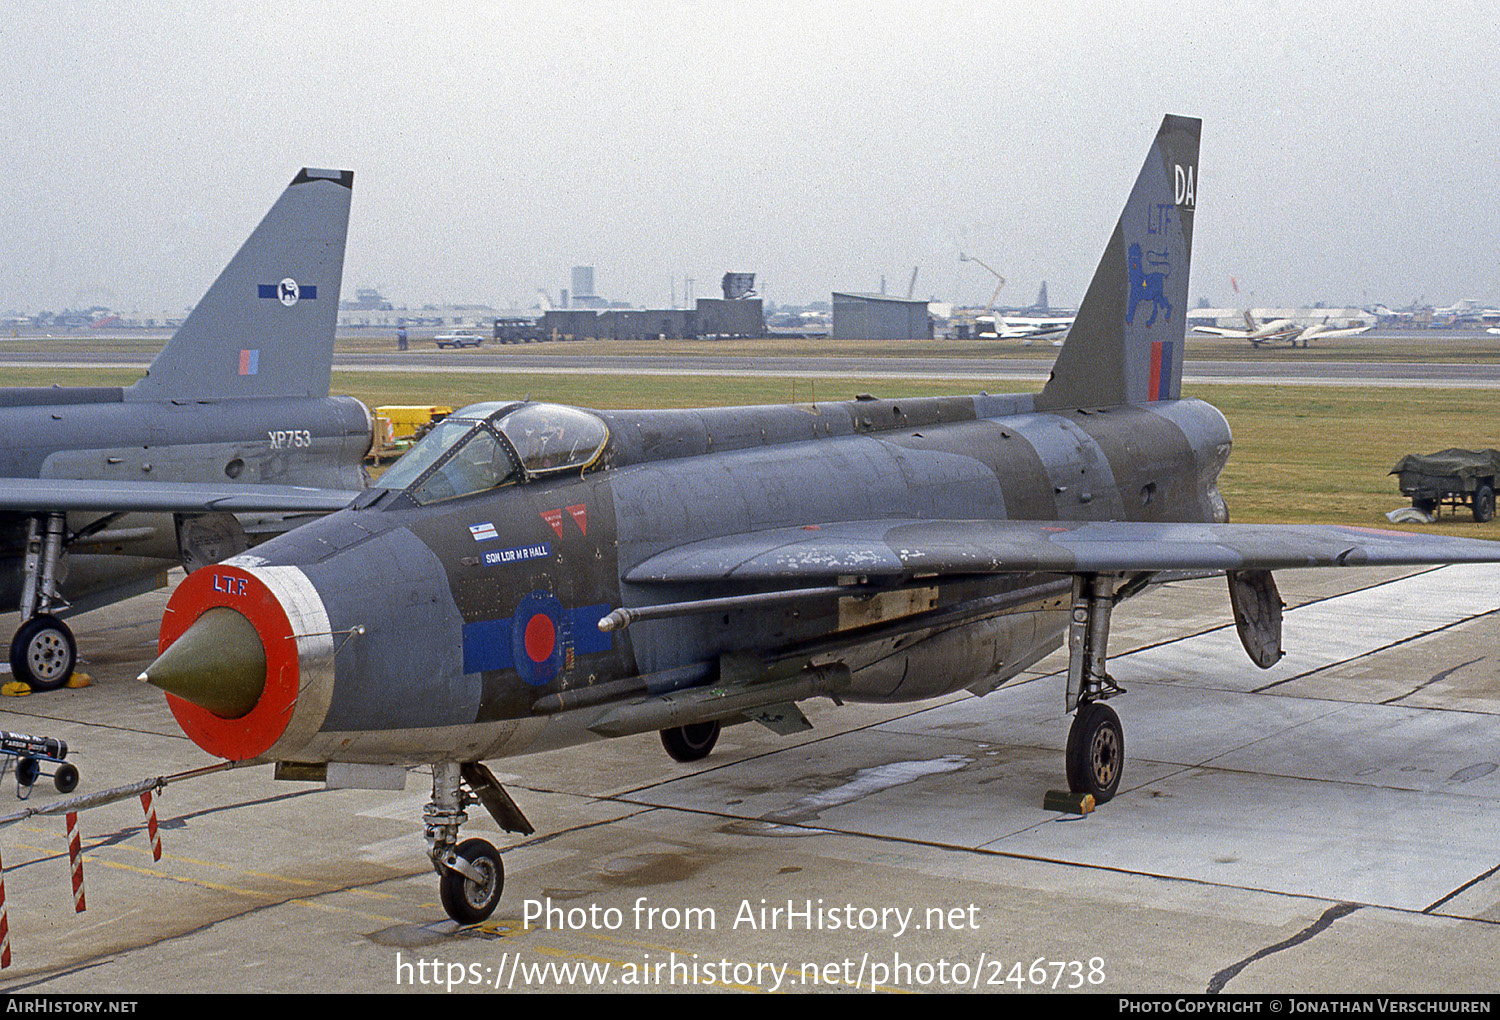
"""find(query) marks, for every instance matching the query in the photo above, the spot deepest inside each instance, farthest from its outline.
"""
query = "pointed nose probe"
(218, 664)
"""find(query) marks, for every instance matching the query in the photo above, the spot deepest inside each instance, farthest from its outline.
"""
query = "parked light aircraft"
(1323, 331)
(103, 489)
(549, 575)
(1258, 333)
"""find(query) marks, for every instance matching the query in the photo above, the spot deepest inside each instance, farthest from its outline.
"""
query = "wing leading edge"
(903, 548)
(66, 494)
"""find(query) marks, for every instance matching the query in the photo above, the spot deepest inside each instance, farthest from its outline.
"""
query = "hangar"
(879, 317)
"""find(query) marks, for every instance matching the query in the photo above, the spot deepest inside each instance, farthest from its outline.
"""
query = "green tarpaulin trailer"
(1453, 478)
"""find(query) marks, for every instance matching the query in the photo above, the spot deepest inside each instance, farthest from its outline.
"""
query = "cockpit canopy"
(486, 445)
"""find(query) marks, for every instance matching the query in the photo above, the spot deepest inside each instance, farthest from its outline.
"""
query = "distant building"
(879, 317)
(712, 318)
(582, 294)
(740, 317)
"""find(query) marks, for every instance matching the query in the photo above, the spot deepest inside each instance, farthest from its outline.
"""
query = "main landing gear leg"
(43, 652)
(1096, 741)
(470, 874)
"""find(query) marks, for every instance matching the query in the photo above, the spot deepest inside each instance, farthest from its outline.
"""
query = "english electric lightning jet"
(102, 489)
(531, 575)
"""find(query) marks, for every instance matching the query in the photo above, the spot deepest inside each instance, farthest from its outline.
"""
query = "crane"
(990, 308)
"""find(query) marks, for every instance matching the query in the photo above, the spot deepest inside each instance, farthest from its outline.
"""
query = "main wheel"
(1096, 751)
(1484, 504)
(468, 901)
(690, 743)
(42, 653)
(27, 769)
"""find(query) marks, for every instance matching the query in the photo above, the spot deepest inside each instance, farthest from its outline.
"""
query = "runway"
(1328, 825)
(1469, 361)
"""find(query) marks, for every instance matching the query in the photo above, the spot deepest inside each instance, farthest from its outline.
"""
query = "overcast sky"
(1348, 155)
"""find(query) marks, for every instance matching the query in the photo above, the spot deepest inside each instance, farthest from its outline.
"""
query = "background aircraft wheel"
(65, 778)
(1484, 503)
(43, 653)
(1096, 751)
(467, 901)
(27, 769)
(690, 743)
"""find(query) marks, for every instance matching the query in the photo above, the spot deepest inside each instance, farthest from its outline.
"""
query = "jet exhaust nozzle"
(218, 664)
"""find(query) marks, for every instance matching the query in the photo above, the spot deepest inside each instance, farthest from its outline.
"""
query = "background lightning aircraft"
(548, 575)
(103, 489)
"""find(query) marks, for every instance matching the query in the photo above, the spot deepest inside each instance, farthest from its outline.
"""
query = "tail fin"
(265, 328)
(1125, 347)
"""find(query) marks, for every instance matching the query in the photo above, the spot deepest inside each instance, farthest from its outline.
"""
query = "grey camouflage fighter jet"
(103, 489)
(549, 575)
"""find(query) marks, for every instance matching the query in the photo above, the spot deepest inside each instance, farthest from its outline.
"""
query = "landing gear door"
(209, 538)
(1257, 609)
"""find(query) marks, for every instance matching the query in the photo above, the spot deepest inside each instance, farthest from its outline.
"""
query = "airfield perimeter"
(1328, 825)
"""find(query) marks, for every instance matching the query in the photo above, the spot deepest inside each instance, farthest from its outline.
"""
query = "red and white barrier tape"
(148, 804)
(4, 924)
(75, 858)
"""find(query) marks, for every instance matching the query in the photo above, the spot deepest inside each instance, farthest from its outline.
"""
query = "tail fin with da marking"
(1125, 347)
(265, 328)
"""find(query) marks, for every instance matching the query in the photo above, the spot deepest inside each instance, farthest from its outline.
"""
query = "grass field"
(1301, 454)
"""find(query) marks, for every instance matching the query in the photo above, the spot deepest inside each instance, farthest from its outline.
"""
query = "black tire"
(467, 901)
(27, 769)
(690, 743)
(65, 778)
(1096, 751)
(1484, 504)
(43, 653)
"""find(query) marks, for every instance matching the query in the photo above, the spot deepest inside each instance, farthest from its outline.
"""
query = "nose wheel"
(472, 879)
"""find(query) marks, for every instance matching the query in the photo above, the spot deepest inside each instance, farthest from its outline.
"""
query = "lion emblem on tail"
(1148, 275)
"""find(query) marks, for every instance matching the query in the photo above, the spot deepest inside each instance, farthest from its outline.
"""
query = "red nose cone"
(253, 733)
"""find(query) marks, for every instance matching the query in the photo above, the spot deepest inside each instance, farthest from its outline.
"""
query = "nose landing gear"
(471, 875)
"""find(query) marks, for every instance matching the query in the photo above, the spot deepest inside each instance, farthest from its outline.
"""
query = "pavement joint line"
(1376, 651)
(1432, 908)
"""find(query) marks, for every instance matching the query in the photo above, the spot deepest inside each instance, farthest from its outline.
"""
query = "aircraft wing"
(899, 549)
(1238, 334)
(67, 494)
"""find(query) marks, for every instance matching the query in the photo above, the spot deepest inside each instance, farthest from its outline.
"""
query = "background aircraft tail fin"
(265, 328)
(1125, 346)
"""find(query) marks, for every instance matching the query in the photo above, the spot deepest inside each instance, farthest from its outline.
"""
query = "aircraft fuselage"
(100, 434)
(468, 628)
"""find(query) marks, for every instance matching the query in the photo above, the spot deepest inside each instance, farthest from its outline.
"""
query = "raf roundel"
(538, 637)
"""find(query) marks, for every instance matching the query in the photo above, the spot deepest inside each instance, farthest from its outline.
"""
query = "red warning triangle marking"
(581, 515)
(554, 518)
